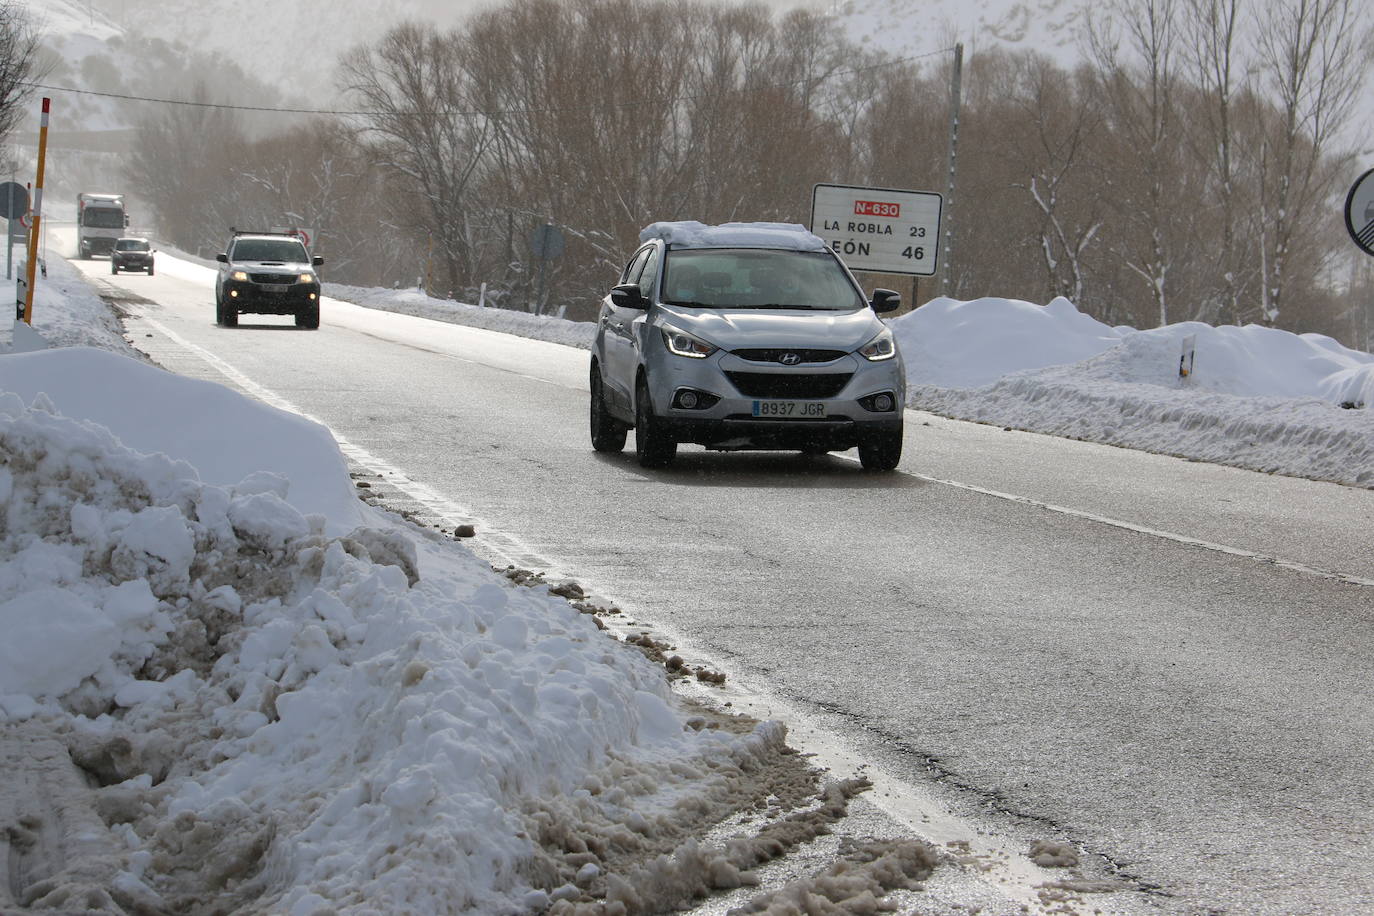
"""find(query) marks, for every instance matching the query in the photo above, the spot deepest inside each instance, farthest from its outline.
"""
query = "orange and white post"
(36, 228)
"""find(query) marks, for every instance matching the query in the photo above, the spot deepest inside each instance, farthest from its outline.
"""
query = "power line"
(364, 114)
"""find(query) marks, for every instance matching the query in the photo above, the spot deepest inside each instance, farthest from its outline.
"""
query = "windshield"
(270, 250)
(103, 218)
(131, 245)
(757, 278)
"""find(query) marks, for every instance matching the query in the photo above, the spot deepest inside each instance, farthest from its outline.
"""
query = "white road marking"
(1151, 532)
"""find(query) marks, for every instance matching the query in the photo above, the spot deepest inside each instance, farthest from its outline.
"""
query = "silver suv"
(744, 336)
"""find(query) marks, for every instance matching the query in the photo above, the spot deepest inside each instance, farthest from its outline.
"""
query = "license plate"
(793, 410)
(275, 287)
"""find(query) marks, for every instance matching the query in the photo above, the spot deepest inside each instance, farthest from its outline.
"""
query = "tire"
(654, 446)
(608, 433)
(150, 270)
(226, 316)
(881, 451)
(113, 268)
(308, 317)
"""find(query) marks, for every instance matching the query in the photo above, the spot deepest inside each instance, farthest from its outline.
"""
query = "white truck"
(100, 219)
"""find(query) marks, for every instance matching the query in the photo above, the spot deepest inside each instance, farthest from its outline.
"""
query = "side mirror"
(886, 300)
(222, 258)
(628, 296)
(317, 261)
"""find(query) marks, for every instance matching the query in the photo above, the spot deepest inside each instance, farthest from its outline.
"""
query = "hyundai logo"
(789, 359)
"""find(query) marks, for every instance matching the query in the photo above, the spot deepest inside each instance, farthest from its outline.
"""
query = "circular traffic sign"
(1359, 212)
(14, 200)
(304, 236)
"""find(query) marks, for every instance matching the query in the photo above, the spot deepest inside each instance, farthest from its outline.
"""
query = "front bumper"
(247, 296)
(845, 387)
(142, 262)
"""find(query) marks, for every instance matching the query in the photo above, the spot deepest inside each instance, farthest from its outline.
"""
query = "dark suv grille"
(273, 278)
(772, 355)
(779, 385)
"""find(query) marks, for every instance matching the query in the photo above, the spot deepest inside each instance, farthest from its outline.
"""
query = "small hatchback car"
(267, 274)
(744, 336)
(131, 254)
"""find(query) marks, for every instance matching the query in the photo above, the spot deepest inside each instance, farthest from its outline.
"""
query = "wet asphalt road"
(1136, 673)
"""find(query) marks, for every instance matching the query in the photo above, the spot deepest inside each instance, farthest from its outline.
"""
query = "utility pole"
(947, 217)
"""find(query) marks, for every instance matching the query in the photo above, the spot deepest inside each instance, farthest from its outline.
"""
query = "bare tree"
(1315, 54)
(1143, 114)
(18, 62)
(184, 165)
(1213, 29)
(1060, 126)
(429, 131)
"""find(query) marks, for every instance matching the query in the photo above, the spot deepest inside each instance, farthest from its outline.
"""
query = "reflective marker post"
(36, 228)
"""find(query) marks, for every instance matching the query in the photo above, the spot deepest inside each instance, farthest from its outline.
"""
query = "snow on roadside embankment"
(522, 324)
(67, 312)
(288, 701)
(1257, 398)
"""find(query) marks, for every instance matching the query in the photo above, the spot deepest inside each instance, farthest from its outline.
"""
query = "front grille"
(771, 355)
(780, 385)
(273, 278)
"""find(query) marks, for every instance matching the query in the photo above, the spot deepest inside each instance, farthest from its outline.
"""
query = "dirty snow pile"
(291, 702)
(1258, 398)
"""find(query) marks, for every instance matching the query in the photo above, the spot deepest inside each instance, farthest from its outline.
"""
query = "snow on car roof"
(692, 234)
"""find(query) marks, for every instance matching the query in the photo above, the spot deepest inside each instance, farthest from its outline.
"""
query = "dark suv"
(131, 254)
(267, 274)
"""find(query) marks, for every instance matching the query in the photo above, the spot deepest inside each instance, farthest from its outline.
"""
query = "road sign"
(305, 235)
(881, 230)
(1359, 212)
(14, 200)
(546, 242)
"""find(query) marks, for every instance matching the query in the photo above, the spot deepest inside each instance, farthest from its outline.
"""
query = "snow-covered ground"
(227, 684)
(1257, 398)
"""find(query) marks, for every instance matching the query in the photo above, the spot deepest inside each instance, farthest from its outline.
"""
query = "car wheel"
(881, 451)
(150, 270)
(608, 433)
(654, 446)
(308, 317)
(114, 268)
(226, 315)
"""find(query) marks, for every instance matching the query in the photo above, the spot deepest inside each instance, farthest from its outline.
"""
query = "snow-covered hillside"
(292, 50)
(907, 28)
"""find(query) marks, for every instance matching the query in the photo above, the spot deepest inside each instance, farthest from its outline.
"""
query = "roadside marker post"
(1186, 358)
(36, 228)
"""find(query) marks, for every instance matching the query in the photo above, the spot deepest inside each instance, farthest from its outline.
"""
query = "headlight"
(307, 278)
(879, 348)
(239, 275)
(684, 344)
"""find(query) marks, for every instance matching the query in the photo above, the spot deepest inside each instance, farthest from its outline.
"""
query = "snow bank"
(285, 720)
(1257, 397)
(223, 434)
(957, 344)
(692, 234)
(66, 311)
